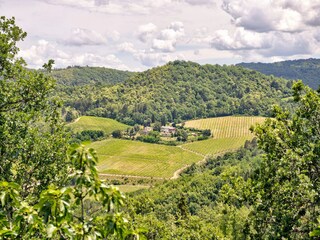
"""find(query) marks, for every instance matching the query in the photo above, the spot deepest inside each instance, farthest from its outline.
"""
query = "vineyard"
(226, 127)
(229, 133)
(125, 157)
(215, 146)
(97, 123)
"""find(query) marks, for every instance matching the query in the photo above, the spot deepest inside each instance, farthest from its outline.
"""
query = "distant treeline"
(307, 70)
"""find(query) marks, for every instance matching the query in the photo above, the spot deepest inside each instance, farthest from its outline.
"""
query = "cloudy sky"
(140, 34)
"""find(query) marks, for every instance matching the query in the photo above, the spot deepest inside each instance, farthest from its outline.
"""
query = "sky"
(136, 35)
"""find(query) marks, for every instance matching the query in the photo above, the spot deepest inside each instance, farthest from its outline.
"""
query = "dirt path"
(177, 173)
(76, 120)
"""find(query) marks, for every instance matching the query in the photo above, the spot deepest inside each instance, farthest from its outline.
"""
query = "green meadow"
(97, 123)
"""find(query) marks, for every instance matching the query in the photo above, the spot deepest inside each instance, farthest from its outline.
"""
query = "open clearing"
(97, 123)
(126, 157)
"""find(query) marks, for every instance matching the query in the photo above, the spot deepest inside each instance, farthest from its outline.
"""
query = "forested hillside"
(79, 76)
(179, 91)
(308, 70)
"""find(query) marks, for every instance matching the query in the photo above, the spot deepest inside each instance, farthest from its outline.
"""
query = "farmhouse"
(146, 130)
(167, 130)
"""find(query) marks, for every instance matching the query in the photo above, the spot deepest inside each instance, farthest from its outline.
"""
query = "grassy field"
(125, 157)
(131, 188)
(214, 146)
(97, 123)
(226, 127)
(229, 133)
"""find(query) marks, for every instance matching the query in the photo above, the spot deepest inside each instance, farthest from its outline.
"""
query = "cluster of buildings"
(164, 131)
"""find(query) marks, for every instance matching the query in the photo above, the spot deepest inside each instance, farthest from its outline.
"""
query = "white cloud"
(126, 6)
(101, 2)
(270, 44)
(127, 47)
(273, 15)
(151, 59)
(240, 40)
(163, 45)
(199, 2)
(169, 37)
(286, 44)
(114, 36)
(145, 32)
(38, 54)
(81, 36)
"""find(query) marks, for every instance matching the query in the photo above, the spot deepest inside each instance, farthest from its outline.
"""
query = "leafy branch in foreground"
(287, 186)
(61, 213)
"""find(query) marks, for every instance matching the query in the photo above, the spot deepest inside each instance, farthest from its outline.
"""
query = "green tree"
(61, 213)
(44, 190)
(157, 126)
(287, 186)
(117, 134)
(32, 139)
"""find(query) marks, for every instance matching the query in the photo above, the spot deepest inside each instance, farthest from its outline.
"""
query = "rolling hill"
(79, 76)
(182, 90)
(308, 70)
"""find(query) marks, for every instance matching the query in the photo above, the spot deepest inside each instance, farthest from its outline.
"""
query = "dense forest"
(80, 76)
(308, 70)
(180, 91)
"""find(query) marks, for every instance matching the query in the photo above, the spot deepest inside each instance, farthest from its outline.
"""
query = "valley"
(130, 158)
(150, 146)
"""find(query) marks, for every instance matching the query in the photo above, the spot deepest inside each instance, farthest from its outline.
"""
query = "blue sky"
(139, 34)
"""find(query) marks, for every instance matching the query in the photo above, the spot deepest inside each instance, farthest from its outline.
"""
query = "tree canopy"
(46, 190)
(32, 139)
(305, 69)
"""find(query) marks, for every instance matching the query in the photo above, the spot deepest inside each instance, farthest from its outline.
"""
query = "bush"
(117, 134)
(90, 135)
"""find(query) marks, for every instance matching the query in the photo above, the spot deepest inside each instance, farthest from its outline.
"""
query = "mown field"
(97, 123)
(125, 157)
(229, 133)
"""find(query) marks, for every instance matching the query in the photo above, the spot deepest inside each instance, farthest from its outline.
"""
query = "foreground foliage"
(288, 185)
(63, 213)
(46, 193)
(32, 138)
